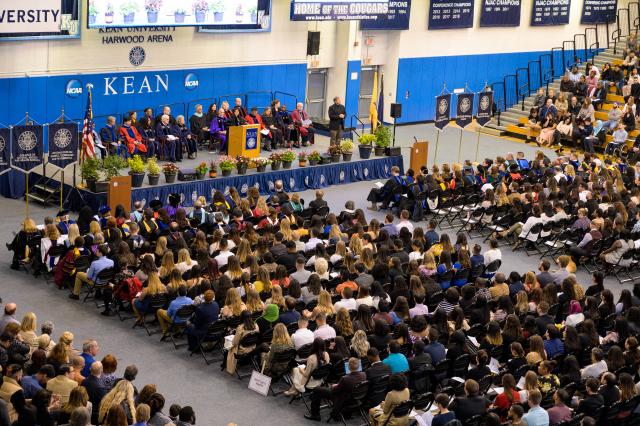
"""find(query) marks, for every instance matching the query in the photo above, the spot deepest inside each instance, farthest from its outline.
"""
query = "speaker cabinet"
(396, 110)
(313, 43)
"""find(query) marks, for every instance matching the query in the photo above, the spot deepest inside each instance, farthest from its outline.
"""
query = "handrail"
(354, 128)
(275, 95)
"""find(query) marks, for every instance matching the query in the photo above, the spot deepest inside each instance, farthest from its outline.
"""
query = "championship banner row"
(22, 147)
(464, 109)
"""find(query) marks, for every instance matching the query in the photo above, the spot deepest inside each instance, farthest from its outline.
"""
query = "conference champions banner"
(5, 150)
(500, 13)
(550, 12)
(464, 109)
(485, 108)
(443, 111)
(598, 11)
(26, 148)
(445, 14)
(63, 144)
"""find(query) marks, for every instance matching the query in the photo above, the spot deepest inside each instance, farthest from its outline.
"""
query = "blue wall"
(423, 78)
(352, 92)
(43, 97)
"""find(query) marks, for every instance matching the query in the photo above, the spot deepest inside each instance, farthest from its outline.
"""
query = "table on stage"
(244, 140)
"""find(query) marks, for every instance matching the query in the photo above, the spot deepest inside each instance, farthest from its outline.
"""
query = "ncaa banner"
(443, 111)
(26, 147)
(464, 109)
(5, 150)
(500, 13)
(598, 11)
(444, 14)
(550, 12)
(63, 144)
(485, 108)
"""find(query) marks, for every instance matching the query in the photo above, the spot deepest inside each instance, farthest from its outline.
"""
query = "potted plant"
(108, 14)
(253, 14)
(201, 170)
(383, 139)
(314, 158)
(93, 12)
(213, 169)
(226, 164)
(200, 9)
(287, 158)
(110, 167)
(153, 171)
(170, 171)
(136, 170)
(366, 145)
(89, 172)
(242, 163)
(261, 164)
(276, 161)
(128, 10)
(239, 14)
(152, 7)
(346, 147)
(334, 152)
(302, 158)
(179, 15)
(217, 7)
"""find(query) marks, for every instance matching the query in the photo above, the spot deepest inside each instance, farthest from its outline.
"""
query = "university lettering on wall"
(137, 35)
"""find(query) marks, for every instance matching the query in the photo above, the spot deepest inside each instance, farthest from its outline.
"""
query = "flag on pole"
(88, 148)
(373, 108)
(381, 100)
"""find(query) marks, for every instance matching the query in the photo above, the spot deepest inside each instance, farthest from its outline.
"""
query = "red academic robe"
(298, 117)
(132, 136)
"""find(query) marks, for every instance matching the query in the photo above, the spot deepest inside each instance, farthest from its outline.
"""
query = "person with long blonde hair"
(531, 282)
(355, 245)
(340, 253)
(285, 229)
(233, 305)
(360, 344)
(261, 209)
(121, 394)
(367, 259)
(322, 268)
(167, 265)
(536, 350)
(343, 325)
(263, 280)
(234, 270)
(28, 330)
(336, 235)
(253, 303)
(142, 302)
(161, 248)
(277, 298)
(280, 342)
(73, 232)
(51, 238)
(243, 251)
(184, 261)
(324, 306)
(522, 303)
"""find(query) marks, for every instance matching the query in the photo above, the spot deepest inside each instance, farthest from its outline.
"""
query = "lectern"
(419, 154)
(244, 140)
(119, 192)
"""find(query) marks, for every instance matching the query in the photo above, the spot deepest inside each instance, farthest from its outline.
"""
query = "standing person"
(337, 113)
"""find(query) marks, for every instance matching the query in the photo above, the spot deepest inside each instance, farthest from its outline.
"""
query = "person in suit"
(318, 202)
(130, 134)
(184, 139)
(218, 129)
(337, 114)
(95, 388)
(299, 116)
(164, 135)
(206, 314)
(376, 368)
(472, 404)
(338, 393)
(147, 121)
(386, 194)
(166, 110)
(421, 359)
(236, 119)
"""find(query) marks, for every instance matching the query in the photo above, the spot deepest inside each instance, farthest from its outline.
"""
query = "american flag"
(88, 148)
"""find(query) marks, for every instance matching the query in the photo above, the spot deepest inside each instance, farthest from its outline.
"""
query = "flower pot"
(152, 17)
(153, 179)
(346, 156)
(335, 158)
(91, 184)
(313, 162)
(286, 164)
(239, 18)
(92, 19)
(261, 169)
(226, 172)
(218, 16)
(275, 165)
(200, 16)
(365, 151)
(108, 18)
(379, 151)
(179, 18)
(392, 151)
(199, 175)
(254, 18)
(302, 163)
(102, 186)
(242, 169)
(170, 178)
(137, 179)
(128, 18)
(213, 173)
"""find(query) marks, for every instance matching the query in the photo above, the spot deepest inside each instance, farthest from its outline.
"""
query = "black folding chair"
(179, 323)
(215, 336)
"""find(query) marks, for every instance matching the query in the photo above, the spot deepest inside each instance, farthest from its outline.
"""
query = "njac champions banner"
(397, 18)
(445, 14)
(26, 147)
(5, 150)
(333, 10)
(443, 111)
(550, 12)
(464, 109)
(500, 13)
(63, 144)
(598, 11)
(29, 16)
(485, 107)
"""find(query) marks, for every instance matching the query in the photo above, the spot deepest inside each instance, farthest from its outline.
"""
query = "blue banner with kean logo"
(550, 12)
(444, 14)
(500, 13)
(5, 150)
(27, 146)
(598, 11)
(251, 138)
(485, 108)
(443, 111)
(397, 18)
(63, 144)
(464, 109)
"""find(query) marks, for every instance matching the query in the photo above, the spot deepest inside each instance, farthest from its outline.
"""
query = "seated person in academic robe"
(266, 136)
(386, 194)
(199, 125)
(166, 110)
(236, 118)
(284, 122)
(270, 124)
(148, 132)
(218, 129)
(147, 121)
(243, 110)
(185, 139)
(109, 136)
(301, 121)
(166, 138)
(132, 137)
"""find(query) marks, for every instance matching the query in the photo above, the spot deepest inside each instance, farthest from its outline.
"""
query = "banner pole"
(26, 178)
(61, 189)
(435, 155)
(478, 144)
(460, 145)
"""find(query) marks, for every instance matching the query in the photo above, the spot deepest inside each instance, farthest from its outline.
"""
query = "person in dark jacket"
(166, 139)
(337, 114)
(206, 314)
(199, 125)
(472, 404)
(95, 389)
(185, 139)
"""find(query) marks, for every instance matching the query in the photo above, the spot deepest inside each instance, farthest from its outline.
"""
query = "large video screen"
(175, 13)
(39, 19)
(349, 10)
